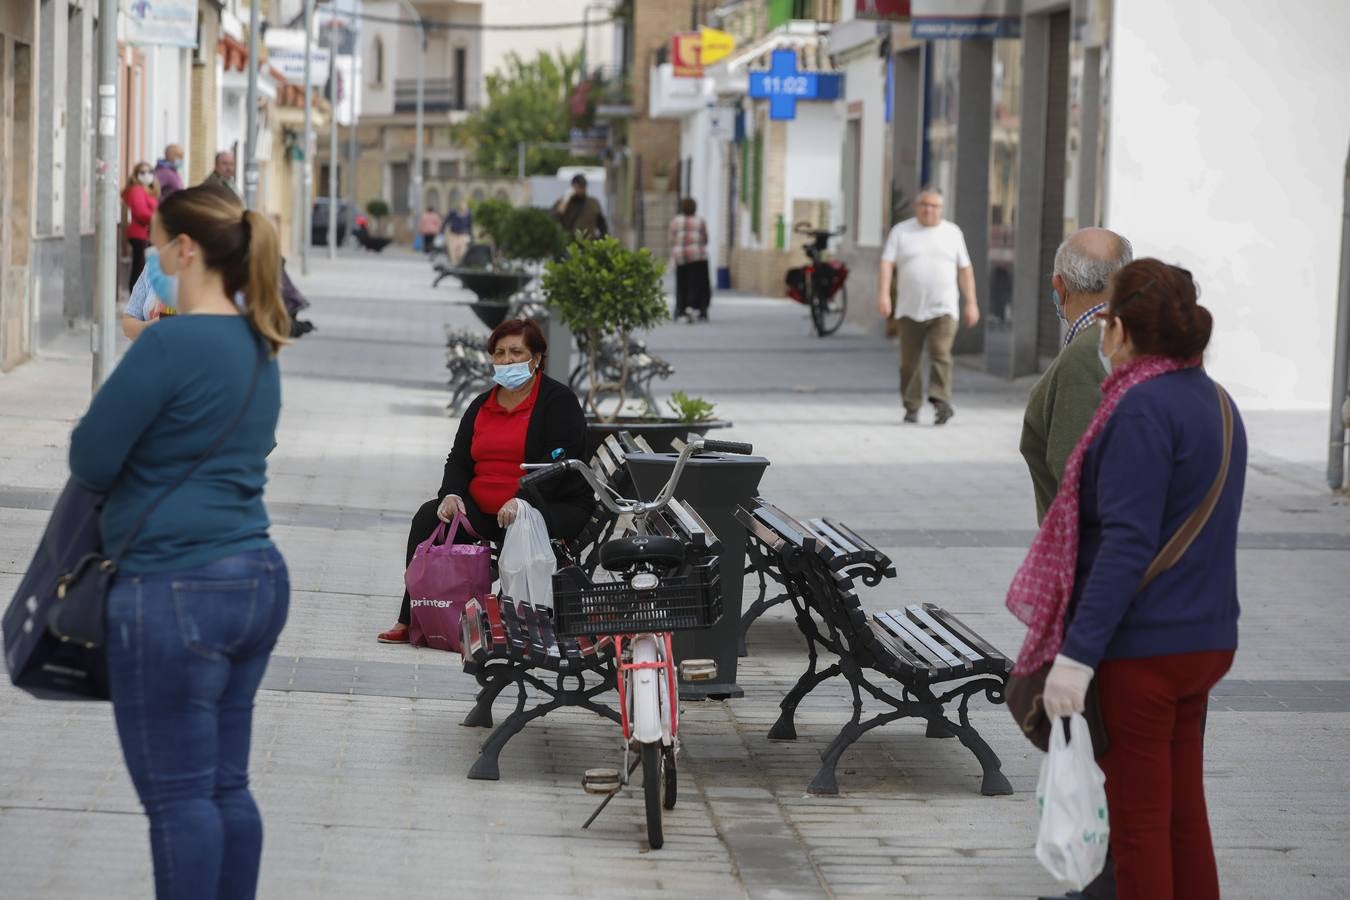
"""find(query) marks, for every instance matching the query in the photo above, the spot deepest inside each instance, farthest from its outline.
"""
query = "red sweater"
(142, 205)
(498, 450)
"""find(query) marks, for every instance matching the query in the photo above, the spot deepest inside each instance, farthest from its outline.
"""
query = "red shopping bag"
(442, 577)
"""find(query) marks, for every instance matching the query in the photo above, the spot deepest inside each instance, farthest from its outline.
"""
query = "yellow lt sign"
(715, 45)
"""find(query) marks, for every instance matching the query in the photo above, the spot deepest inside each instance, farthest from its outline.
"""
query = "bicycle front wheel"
(654, 788)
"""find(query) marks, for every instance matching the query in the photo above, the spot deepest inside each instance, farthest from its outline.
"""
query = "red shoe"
(396, 635)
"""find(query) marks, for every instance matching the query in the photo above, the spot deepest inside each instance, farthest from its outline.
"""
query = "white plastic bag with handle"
(1071, 795)
(527, 562)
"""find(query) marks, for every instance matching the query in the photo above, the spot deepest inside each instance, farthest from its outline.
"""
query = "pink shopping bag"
(442, 577)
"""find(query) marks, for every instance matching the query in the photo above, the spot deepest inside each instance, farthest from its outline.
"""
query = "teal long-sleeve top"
(165, 404)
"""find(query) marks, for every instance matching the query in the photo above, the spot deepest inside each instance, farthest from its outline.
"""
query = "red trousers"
(1155, 792)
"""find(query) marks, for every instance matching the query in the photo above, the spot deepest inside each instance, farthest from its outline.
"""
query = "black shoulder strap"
(210, 451)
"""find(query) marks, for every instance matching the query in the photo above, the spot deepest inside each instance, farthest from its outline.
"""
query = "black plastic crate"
(681, 603)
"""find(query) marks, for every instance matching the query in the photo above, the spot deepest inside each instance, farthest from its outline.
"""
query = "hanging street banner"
(714, 45)
(686, 58)
(885, 10)
(286, 53)
(784, 84)
(164, 23)
(966, 19)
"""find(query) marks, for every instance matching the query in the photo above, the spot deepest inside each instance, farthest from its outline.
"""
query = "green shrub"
(489, 216)
(600, 289)
(531, 234)
(691, 410)
(378, 209)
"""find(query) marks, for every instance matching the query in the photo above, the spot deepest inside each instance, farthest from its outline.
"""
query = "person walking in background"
(459, 224)
(928, 258)
(580, 213)
(141, 196)
(222, 175)
(201, 593)
(428, 226)
(689, 252)
(1154, 451)
(168, 171)
(1063, 400)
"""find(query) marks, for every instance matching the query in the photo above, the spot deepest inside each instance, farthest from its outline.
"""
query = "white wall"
(1229, 128)
(813, 164)
(497, 44)
(167, 101)
(865, 82)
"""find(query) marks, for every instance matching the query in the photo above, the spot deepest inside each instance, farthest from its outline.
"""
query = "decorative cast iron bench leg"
(485, 768)
(825, 782)
(757, 609)
(495, 680)
(785, 728)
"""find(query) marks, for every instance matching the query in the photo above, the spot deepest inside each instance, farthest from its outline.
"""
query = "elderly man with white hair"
(1062, 402)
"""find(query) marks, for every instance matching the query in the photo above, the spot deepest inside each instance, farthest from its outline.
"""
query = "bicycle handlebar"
(807, 228)
(538, 473)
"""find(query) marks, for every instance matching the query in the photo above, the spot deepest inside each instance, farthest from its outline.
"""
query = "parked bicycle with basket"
(662, 584)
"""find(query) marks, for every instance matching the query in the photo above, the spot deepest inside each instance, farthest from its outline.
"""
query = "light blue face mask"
(513, 375)
(164, 286)
(1059, 306)
(1101, 352)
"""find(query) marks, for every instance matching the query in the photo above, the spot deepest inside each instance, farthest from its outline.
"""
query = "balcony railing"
(439, 95)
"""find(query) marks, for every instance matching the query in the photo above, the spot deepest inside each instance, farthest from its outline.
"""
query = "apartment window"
(377, 62)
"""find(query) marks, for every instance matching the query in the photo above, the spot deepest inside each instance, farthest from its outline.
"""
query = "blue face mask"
(512, 376)
(1101, 352)
(1059, 306)
(164, 286)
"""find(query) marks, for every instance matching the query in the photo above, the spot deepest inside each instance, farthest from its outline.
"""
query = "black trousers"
(693, 290)
(425, 522)
(137, 260)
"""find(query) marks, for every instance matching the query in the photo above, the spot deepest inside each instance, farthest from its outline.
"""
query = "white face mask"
(146, 178)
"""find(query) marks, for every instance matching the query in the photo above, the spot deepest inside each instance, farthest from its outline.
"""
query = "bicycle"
(821, 284)
(661, 587)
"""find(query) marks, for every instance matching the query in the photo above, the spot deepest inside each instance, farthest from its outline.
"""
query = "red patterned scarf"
(1040, 591)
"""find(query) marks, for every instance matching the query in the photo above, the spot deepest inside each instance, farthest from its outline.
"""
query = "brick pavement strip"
(358, 758)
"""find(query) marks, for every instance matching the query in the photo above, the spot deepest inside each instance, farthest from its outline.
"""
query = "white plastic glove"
(1065, 687)
(507, 514)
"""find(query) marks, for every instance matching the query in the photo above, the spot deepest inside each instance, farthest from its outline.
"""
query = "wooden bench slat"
(910, 632)
(902, 653)
(942, 633)
(990, 652)
(787, 526)
(827, 530)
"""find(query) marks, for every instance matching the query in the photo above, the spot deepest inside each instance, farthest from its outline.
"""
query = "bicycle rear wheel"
(654, 788)
(827, 313)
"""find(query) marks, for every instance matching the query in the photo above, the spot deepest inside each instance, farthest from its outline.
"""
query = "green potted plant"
(378, 209)
(522, 238)
(601, 292)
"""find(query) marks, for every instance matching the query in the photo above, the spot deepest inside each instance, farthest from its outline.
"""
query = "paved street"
(359, 760)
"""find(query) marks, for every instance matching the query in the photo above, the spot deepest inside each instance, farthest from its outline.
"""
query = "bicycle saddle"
(622, 553)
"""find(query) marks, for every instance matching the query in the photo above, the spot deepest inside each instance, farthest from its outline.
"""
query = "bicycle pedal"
(601, 781)
(698, 670)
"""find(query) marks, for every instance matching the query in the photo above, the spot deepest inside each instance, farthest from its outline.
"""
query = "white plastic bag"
(527, 562)
(1071, 795)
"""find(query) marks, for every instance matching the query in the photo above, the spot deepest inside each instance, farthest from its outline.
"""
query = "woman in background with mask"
(141, 196)
(527, 418)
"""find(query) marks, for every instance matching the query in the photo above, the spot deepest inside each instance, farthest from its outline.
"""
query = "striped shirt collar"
(1082, 322)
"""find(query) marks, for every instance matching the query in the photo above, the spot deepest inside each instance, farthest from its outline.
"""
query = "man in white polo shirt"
(928, 258)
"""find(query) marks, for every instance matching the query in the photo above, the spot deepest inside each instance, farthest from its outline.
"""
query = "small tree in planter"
(378, 209)
(529, 235)
(601, 289)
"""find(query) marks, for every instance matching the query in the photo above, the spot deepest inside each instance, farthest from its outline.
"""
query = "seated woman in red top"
(527, 418)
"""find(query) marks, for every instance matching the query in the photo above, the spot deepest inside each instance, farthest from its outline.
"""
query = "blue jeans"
(186, 653)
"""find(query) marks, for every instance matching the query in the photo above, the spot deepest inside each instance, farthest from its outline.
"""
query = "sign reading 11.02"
(784, 84)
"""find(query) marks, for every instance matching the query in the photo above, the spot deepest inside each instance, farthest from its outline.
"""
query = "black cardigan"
(556, 422)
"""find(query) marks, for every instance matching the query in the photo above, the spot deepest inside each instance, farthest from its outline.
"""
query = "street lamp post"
(332, 139)
(108, 208)
(415, 188)
(251, 120)
(306, 182)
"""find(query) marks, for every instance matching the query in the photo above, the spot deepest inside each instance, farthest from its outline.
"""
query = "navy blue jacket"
(1142, 477)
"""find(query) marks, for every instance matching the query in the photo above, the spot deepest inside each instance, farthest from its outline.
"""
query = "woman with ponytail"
(177, 439)
(1103, 598)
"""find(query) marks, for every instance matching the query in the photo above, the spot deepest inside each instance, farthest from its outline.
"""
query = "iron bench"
(922, 646)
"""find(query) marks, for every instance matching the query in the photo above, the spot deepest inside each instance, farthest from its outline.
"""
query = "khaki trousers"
(455, 245)
(936, 335)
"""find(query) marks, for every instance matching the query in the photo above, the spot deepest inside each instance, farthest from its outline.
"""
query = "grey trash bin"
(714, 484)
